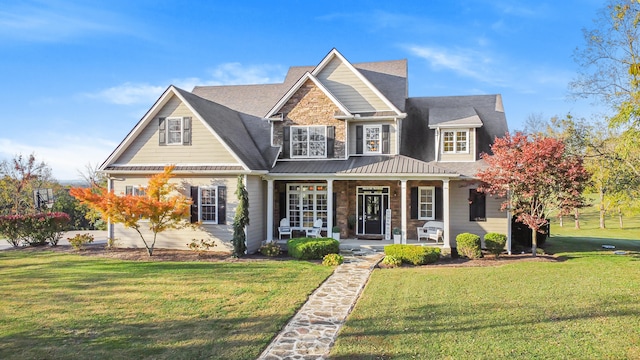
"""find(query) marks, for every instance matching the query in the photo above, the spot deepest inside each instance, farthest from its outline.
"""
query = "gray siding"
(205, 147)
(349, 89)
(256, 231)
(459, 215)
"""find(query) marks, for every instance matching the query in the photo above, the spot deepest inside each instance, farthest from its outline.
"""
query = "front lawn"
(61, 306)
(585, 307)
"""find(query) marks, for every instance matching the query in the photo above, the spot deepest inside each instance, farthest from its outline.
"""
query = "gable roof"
(418, 130)
(241, 134)
(389, 77)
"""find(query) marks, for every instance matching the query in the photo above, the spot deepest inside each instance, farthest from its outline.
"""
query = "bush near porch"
(411, 254)
(312, 248)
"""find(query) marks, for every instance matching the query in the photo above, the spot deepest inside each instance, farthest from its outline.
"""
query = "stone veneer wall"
(310, 106)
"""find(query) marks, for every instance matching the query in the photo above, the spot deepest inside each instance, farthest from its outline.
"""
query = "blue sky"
(78, 75)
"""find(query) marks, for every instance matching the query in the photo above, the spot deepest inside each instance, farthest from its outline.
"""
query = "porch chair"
(284, 228)
(315, 230)
(431, 230)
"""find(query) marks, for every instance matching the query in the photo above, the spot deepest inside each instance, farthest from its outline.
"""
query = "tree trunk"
(620, 218)
(602, 224)
(560, 218)
(577, 217)
(534, 242)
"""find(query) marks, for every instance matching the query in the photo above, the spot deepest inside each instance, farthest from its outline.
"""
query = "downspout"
(437, 144)
(509, 225)
(246, 227)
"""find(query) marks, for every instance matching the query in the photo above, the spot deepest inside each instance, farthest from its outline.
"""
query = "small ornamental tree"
(241, 219)
(161, 205)
(536, 176)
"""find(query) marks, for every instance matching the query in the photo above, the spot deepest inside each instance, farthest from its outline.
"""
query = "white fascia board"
(335, 53)
(297, 86)
(162, 100)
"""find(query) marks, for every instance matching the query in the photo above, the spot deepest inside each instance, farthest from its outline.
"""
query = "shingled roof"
(389, 77)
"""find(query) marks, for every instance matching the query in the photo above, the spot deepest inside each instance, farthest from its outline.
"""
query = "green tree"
(241, 219)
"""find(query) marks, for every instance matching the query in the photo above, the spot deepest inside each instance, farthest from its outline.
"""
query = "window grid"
(455, 141)
(372, 139)
(174, 131)
(308, 141)
(208, 204)
(426, 202)
(306, 203)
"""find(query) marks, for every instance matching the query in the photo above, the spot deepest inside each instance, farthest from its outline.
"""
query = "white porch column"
(269, 210)
(445, 215)
(329, 207)
(403, 210)
(110, 230)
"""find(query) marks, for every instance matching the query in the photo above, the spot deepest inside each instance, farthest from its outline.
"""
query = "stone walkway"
(310, 334)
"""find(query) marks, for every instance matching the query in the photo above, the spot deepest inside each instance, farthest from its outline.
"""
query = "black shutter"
(282, 208)
(385, 139)
(128, 190)
(186, 131)
(414, 202)
(359, 139)
(162, 133)
(439, 204)
(222, 204)
(194, 204)
(331, 135)
(335, 208)
(286, 131)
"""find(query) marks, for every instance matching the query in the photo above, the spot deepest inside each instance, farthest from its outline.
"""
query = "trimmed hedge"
(495, 242)
(35, 229)
(412, 254)
(468, 245)
(312, 248)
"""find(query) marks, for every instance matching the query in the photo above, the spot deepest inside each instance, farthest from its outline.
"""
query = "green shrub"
(495, 242)
(391, 261)
(469, 245)
(270, 249)
(312, 248)
(332, 260)
(411, 254)
(35, 230)
(80, 240)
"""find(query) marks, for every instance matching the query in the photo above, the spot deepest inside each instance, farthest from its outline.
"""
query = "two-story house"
(339, 142)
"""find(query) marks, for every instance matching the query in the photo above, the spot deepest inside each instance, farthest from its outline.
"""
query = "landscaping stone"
(311, 332)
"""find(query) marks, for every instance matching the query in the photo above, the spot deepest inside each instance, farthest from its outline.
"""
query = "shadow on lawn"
(581, 246)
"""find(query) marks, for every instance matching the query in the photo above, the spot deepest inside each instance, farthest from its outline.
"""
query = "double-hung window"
(174, 131)
(208, 204)
(426, 202)
(372, 139)
(308, 141)
(455, 141)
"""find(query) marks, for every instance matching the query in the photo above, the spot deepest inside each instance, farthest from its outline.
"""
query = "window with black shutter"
(477, 206)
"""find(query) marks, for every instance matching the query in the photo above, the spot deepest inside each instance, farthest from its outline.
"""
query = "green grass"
(57, 306)
(585, 307)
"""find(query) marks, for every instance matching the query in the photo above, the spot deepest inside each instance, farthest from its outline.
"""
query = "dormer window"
(372, 139)
(308, 141)
(455, 141)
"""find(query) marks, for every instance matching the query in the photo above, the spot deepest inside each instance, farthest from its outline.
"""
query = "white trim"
(297, 86)
(364, 139)
(433, 202)
(455, 141)
(335, 53)
(217, 207)
(177, 164)
(308, 141)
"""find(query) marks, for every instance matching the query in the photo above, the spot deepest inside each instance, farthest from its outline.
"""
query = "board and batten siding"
(349, 89)
(459, 218)
(392, 135)
(178, 239)
(204, 149)
(256, 231)
(470, 156)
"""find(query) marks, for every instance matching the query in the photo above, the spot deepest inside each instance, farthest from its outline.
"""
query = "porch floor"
(370, 245)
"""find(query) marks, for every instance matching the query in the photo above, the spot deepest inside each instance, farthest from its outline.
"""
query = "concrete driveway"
(99, 237)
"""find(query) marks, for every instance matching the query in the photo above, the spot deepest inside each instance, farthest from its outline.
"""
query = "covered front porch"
(354, 244)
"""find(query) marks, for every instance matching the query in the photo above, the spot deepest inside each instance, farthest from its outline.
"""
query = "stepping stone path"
(310, 334)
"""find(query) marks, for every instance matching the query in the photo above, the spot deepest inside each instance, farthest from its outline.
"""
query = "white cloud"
(66, 156)
(224, 74)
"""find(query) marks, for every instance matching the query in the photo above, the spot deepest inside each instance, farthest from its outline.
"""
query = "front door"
(372, 203)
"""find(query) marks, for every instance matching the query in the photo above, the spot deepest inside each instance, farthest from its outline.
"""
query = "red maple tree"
(536, 176)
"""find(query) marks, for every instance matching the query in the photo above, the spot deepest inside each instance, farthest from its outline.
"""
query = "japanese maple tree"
(536, 176)
(161, 205)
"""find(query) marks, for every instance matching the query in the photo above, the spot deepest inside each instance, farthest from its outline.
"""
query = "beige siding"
(178, 239)
(471, 156)
(392, 135)
(204, 149)
(459, 215)
(350, 90)
(256, 231)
